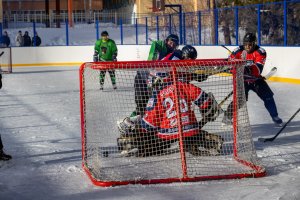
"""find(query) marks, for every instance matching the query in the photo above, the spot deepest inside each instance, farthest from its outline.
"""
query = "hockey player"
(253, 79)
(3, 156)
(159, 49)
(106, 50)
(154, 131)
(0, 80)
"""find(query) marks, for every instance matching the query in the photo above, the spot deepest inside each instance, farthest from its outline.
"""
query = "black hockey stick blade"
(275, 136)
(229, 51)
(1, 53)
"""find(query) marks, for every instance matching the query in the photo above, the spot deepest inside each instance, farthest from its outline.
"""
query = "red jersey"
(161, 115)
(258, 56)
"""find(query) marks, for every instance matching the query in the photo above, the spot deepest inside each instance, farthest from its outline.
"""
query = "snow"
(40, 128)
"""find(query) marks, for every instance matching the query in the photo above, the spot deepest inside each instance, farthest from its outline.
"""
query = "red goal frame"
(259, 171)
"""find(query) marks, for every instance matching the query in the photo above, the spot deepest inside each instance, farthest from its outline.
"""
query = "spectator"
(36, 40)
(4, 40)
(19, 39)
(27, 39)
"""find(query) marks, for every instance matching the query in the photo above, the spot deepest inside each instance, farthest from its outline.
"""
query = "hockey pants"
(263, 91)
(141, 93)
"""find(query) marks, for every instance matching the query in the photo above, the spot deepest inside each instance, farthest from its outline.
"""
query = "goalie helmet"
(189, 52)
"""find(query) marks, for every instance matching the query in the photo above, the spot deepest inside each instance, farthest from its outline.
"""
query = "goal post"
(5, 60)
(173, 160)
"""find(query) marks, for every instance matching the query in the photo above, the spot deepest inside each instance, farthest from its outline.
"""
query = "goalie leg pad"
(204, 144)
(126, 145)
(149, 145)
(141, 144)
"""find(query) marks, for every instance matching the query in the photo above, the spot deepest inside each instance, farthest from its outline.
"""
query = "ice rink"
(40, 128)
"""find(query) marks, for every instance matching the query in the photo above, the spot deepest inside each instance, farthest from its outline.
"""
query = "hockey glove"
(95, 57)
(114, 57)
(199, 77)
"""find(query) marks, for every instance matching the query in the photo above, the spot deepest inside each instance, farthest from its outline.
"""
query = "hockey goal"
(5, 60)
(101, 109)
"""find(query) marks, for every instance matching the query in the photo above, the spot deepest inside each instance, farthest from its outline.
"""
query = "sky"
(40, 128)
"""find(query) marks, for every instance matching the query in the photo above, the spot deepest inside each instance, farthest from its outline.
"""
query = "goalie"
(154, 132)
(141, 85)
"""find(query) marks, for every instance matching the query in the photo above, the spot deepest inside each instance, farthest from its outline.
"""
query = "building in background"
(89, 10)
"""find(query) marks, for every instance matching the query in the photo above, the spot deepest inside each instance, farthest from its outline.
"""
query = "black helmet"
(104, 33)
(249, 37)
(189, 51)
(174, 38)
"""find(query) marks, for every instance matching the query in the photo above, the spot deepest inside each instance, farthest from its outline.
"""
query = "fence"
(276, 24)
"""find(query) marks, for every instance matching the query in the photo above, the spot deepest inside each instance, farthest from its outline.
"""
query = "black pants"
(141, 92)
(0, 81)
(263, 91)
(1, 145)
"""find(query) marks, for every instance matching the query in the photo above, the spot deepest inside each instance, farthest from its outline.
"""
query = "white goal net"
(180, 133)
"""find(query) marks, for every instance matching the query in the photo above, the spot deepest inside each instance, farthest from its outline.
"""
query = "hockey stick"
(1, 53)
(270, 74)
(229, 51)
(275, 136)
(267, 76)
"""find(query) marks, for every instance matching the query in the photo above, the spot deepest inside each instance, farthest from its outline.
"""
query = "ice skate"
(4, 156)
(278, 121)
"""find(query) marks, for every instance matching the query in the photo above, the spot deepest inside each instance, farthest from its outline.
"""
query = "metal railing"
(276, 24)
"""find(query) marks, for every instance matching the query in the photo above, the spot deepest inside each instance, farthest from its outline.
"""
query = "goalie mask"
(158, 79)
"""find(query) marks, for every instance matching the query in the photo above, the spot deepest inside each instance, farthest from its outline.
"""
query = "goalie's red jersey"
(161, 114)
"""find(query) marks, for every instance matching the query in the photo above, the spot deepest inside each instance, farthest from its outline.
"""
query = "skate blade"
(279, 125)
